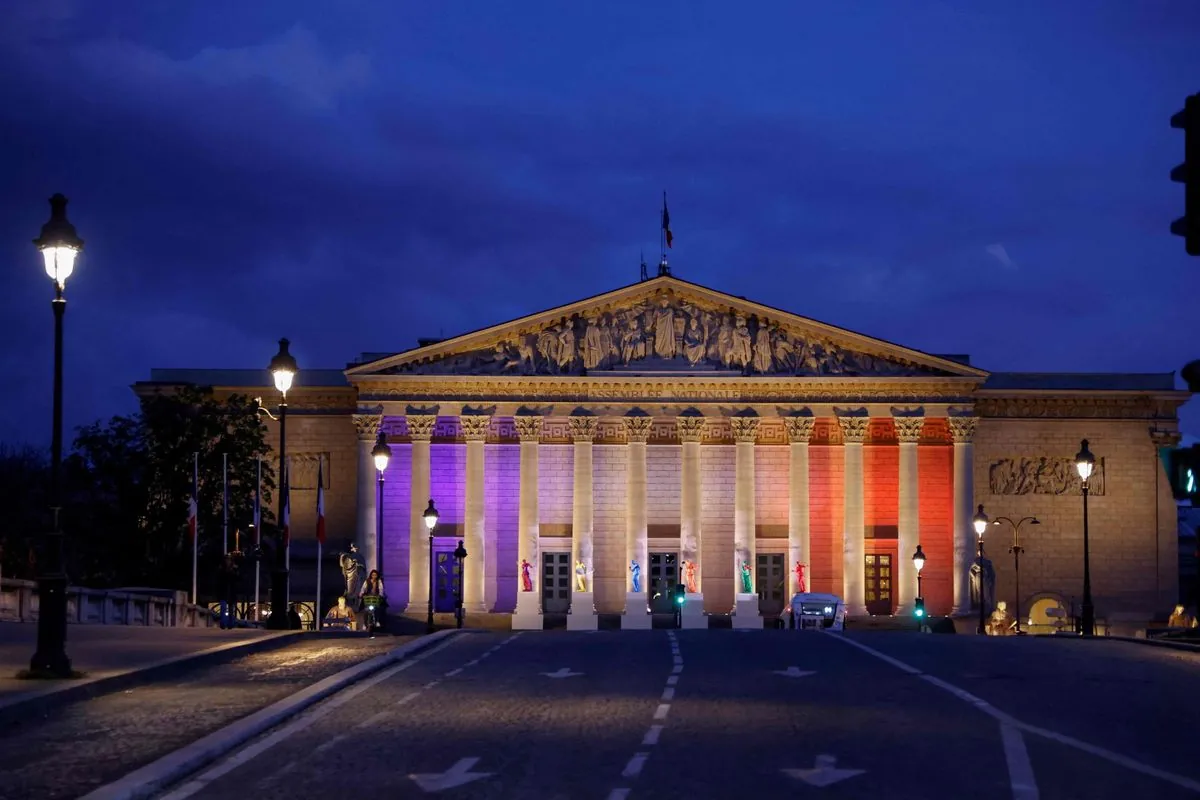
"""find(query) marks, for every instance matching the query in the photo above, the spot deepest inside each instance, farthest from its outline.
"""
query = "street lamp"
(431, 520)
(919, 562)
(460, 555)
(381, 453)
(1085, 463)
(980, 521)
(59, 245)
(283, 370)
(1016, 551)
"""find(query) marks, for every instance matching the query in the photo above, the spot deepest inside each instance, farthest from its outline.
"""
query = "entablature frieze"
(1162, 406)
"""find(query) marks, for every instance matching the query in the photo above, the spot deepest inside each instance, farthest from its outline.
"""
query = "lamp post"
(382, 454)
(919, 563)
(1085, 463)
(431, 520)
(980, 521)
(460, 555)
(1016, 551)
(283, 369)
(59, 245)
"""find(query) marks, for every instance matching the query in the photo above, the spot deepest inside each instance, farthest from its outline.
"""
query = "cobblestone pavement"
(87, 744)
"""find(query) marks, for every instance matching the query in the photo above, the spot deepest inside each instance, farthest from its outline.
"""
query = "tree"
(25, 498)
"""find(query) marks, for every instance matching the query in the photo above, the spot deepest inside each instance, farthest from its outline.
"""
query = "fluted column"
(367, 428)
(690, 429)
(583, 431)
(474, 430)
(745, 431)
(962, 430)
(637, 547)
(908, 535)
(529, 430)
(420, 431)
(799, 430)
(854, 532)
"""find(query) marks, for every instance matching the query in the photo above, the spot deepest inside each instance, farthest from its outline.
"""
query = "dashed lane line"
(638, 761)
(634, 767)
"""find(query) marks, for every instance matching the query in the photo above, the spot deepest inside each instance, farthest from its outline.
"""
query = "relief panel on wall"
(1042, 475)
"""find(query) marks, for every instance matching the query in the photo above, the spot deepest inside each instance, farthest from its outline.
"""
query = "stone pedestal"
(745, 611)
(528, 616)
(693, 615)
(636, 618)
(583, 612)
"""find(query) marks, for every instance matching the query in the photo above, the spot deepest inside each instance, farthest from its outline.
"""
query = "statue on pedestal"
(340, 616)
(801, 587)
(580, 576)
(352, 570)
(689, 577)
(526, 577)
(635, 570)
(1000, 620)
(747, 583)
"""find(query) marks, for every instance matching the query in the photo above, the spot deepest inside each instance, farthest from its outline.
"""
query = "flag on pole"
(192, 511)
(257, 539)
(285, 523)
(225, 502)
(666, 222)
(320, 502)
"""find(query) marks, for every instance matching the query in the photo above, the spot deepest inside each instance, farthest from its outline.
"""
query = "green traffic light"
(920, 612)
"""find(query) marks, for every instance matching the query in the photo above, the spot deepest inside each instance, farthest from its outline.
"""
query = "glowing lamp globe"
(980, 521)
(283, 368)
(59, 243)
(381, 453)
(1085, 462)
(919, 559)
(430, 516)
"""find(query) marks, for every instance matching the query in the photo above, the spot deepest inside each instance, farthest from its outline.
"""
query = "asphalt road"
(722, 714)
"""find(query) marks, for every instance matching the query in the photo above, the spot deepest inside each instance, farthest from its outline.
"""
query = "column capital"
(690, 428)
(745, 429)
(637, 429)
(799, 429)
(367, 426)
(962, 429)
(583, 428)
(475, 426)
(420, 426)
(854, 429)
(529, 428)
(908, 428)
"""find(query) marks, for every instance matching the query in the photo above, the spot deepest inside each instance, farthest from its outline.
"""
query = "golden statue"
(580, 576)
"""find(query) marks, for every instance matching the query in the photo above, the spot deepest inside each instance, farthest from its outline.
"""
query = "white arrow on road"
(794, 672)
(824, 772)
(458, 775)
(565, 672)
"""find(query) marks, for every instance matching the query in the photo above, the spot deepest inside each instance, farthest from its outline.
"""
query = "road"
(719, 714)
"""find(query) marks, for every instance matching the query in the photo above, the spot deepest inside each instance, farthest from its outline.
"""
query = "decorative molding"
(420, 426)
(303, 469)
(854, 429)
(1162, 438)
(690, 428)
(474, 426)
(1083, 407)
(745, 429)
(962, 429)
(637, 429)
(583, 428)
(908, 429)
(367, 426)
(799, 429)
(1042, 475)
(529, 429)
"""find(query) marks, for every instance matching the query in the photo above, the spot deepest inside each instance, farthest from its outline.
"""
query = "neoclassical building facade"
(668, 432)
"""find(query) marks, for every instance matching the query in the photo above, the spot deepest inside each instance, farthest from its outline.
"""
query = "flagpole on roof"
(665, 238)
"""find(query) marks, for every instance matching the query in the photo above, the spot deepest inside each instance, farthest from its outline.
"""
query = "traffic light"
(1188, 173)
(919, 611)
(680, 594)
(1183, 472)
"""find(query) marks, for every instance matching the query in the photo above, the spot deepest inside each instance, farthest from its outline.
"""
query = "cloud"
(998, 252)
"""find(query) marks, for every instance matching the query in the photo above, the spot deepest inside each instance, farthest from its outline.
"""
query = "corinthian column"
(745, 431)
(528, 615)
(637, 431)
(908, 536)
(799, 430)
(474, 429)
(854, 532)
(367, 428)
(962, 430)
(690, 429)
(583, 430)
(420, 431)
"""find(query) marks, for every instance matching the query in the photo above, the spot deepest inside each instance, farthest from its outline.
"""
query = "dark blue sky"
(356, 174)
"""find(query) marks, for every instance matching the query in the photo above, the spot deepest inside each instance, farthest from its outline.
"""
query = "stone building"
(692, 432)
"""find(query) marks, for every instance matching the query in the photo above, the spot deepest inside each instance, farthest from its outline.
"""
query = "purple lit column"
(420, 432)
(474, 430)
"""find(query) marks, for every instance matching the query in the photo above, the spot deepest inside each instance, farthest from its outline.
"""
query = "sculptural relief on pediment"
(663, 333)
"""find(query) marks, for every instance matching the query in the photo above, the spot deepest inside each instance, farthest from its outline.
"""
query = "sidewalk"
(104, 652)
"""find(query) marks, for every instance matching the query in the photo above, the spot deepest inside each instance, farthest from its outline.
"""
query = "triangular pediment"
(665, 326)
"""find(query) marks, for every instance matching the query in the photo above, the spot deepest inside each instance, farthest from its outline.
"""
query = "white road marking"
(453, 672)
(678, 660)
(472, 662)
(634, 767)
(408, 698)
(373, 720)
(618, 794)
(305, 720)
(431, 684)
(823, 773)
(651, 737)
(1020, 770)
(678, 668)
(662, 710)
(456, 776)
(672, 680)
(321, 748)
(484, 655)
(794, 672)
(563, 672)
(668, 693)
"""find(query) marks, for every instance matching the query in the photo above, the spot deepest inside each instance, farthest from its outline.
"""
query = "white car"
(812, 611)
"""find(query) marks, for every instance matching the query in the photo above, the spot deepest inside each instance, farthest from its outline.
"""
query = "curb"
(170, 769)
(1169, 645)
(54, 693)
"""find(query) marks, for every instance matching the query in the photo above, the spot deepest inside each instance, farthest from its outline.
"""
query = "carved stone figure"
(566, 347)
(580, 576)
(1042, 475)
(763, 357)
(633, 343)
(635, 571)
(526, 576)
(592, 347)
(352, 570)
(747, 582)
(801, 587)
(664, 330)
(1180, 619)
(547, 345)
(689, 577)
(693, 342)
(741, 351)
